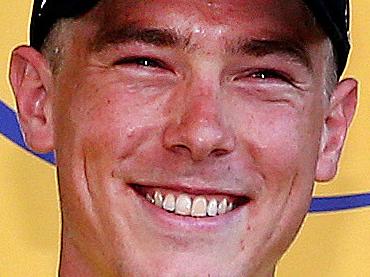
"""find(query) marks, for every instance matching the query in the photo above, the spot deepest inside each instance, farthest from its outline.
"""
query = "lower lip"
(187, 223)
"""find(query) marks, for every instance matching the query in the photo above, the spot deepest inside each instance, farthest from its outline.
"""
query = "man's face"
(219, 99)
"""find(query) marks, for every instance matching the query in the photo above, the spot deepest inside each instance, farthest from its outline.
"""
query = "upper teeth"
(169, 202)
(184, 205)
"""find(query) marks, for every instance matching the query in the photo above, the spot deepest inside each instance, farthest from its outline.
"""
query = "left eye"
(268, 74)
(263, 75)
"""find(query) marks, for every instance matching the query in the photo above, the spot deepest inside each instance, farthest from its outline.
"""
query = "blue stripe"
(9, 127)
(340, 203)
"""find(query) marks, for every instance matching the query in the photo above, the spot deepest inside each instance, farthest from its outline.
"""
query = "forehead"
(216, 18)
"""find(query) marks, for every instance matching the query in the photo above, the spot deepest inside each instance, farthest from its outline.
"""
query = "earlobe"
(31, 81)
(338, 117)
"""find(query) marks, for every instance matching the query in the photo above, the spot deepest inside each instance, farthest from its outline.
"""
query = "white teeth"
(212, 207)
(149, 198)
(230, 207)
(183, 205)
(169, 202)
(222, 207)
(199, 207)
(158, 199)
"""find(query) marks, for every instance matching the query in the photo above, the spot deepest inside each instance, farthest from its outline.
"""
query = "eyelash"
(265, 74)
(141, 61)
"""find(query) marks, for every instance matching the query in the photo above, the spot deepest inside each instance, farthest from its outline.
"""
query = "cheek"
(282, 142)
(108, 122)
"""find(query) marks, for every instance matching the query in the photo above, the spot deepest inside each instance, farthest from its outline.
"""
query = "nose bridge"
(203, 96)
(201, 128)
(201, 105)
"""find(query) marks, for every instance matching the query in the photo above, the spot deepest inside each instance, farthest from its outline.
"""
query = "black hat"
(47, 12)
(332, 15)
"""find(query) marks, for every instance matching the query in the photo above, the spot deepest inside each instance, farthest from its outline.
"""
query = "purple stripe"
(9, 127)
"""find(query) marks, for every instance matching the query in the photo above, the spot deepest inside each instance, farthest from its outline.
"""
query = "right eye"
(140, 62)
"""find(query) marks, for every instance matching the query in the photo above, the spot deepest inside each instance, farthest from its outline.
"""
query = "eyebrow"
(259, 48)
(161, 37)
(172, 38)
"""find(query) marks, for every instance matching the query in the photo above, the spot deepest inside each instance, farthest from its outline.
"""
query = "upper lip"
(199, 188)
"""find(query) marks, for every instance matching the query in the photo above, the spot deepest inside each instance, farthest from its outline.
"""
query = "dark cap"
(332, 15)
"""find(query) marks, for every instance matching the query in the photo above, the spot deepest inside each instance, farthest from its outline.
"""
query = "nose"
(200, 128)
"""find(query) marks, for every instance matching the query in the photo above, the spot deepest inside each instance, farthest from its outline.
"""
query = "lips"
(186, 203)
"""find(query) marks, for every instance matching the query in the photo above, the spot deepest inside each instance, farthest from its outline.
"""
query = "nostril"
(179, 148)
(199, 143)
(199, 138)
(219, 152)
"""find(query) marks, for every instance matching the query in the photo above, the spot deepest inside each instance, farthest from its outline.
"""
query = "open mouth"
(190, 205)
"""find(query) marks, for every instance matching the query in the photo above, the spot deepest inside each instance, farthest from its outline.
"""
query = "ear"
(31, 80)
(338, 117)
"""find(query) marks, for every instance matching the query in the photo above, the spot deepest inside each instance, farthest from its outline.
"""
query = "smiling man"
(188, 134)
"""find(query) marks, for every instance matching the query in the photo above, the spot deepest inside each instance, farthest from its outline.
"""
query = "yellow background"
(329, 245)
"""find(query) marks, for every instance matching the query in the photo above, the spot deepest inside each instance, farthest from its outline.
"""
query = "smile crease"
(184, 205)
